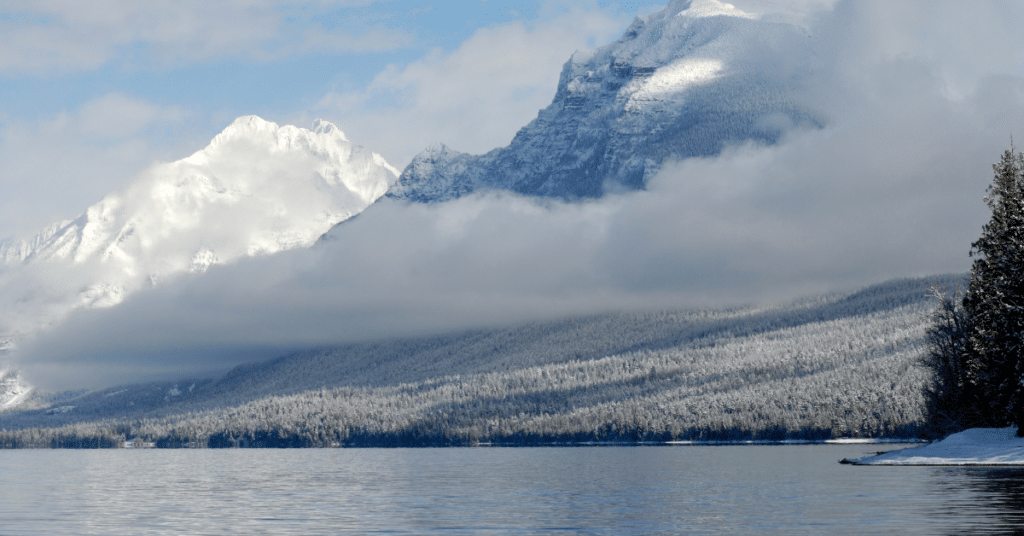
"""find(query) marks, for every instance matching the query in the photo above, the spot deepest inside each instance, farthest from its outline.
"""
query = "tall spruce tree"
(994, 302)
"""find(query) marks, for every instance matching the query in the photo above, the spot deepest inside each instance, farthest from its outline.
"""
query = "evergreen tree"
(953, 399)
(994, 303)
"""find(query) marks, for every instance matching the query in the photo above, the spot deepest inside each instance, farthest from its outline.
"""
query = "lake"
(787, 489)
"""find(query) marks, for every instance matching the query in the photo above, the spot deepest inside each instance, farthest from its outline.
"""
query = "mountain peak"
(246, 126)
(706, 8)
(432, 149)
(321, 126)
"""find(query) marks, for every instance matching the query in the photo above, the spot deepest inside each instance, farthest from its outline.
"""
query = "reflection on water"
(795, 489)
(996, 493)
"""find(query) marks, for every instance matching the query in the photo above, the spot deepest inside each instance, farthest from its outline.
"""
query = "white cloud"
(474, 98)
(48, 35)
(795, 7)
(54, 168)
(117, 115)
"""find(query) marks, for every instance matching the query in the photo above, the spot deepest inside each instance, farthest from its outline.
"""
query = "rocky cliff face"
(683, 82)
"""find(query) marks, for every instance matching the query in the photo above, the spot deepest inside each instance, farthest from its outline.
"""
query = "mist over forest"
(838, 366)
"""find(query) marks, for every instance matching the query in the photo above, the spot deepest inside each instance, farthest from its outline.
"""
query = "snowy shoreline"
(840, 441)
(977, 446)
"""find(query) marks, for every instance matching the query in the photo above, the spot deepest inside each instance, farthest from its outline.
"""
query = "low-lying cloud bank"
(891, 187)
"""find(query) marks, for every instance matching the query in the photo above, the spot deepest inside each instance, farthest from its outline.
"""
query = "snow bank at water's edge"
(977, 446)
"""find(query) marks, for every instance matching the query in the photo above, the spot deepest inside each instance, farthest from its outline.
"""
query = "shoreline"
(993, 447)
(150, 445)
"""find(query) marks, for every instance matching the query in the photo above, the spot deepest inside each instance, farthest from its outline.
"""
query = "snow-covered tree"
(994, 302)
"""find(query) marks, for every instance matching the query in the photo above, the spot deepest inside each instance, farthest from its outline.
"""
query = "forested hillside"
(836, 366)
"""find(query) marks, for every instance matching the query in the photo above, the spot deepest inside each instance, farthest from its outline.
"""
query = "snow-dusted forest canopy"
(835, 366)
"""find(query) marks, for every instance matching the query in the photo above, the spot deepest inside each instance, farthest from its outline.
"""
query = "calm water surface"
(795, 489)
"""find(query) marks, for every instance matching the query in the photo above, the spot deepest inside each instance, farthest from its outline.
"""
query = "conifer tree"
(953, 400)
(994, 302)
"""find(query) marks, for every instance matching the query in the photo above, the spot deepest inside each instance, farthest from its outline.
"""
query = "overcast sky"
(920, 99)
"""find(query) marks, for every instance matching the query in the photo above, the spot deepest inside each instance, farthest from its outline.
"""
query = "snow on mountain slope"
(13, 391)
(256, 189)
(683, 82)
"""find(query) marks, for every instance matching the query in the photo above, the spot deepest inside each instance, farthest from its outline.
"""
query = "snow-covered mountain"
(256, 189)
(679, 83)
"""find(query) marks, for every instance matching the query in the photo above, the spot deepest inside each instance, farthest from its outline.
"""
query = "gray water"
(795, 489)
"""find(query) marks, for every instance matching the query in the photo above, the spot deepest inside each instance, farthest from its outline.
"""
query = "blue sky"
(293, 54)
